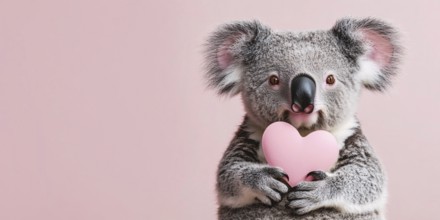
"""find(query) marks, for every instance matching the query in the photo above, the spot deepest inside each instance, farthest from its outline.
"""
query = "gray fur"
(247, 187)
(345, 29)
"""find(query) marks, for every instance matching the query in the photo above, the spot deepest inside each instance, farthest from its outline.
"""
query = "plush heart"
(284, 147)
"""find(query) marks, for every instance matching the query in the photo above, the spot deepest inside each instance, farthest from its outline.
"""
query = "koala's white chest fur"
(344, 130)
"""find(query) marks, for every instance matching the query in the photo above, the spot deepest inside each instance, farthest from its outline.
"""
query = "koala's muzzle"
(303, 90)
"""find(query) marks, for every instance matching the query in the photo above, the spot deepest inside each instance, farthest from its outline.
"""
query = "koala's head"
(309, 79)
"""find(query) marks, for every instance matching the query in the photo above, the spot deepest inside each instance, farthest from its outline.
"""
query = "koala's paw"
(308, 196)
(267, 183)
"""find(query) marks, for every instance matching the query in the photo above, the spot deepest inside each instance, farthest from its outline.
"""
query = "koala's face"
(311, 80)
(267, 83)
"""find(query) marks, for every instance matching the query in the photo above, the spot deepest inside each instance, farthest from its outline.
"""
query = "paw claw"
(317, 175)
(285, 175)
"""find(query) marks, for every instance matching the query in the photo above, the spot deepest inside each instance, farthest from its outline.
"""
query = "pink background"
(104, 113)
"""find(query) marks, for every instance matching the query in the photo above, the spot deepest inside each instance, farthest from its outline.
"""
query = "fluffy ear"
(226, 50)
(373, 44)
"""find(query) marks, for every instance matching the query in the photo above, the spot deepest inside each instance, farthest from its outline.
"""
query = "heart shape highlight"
(284, 147)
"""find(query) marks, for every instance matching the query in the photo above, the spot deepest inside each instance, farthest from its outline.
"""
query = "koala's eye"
(274, 80)
(330, 80)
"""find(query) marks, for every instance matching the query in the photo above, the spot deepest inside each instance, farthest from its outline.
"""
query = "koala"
(313, 81)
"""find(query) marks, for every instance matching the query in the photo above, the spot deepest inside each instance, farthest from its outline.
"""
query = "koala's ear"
(374, 45)
(226, 49)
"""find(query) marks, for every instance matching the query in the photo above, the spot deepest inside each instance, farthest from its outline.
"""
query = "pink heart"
(284, 147)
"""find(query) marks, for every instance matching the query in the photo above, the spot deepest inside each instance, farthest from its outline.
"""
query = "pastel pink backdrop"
(104, 113)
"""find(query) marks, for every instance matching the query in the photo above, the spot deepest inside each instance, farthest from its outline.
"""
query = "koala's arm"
(355, 185)
(358, 182)
(243, 178)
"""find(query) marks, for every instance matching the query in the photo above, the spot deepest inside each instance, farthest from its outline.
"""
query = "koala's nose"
(303, 90)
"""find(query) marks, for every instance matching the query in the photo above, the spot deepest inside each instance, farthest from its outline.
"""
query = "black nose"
(303, 90)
